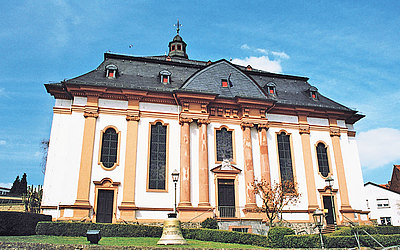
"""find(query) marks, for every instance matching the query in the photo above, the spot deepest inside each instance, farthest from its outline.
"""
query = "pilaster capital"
(304, 129)
(262, 126)
(132, 118)
(203, 121)
(245, 125)
(183, 120)
(87, 114)
(334, 131)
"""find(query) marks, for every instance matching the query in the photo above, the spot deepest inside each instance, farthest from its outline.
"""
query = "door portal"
(105, 200)
(226, 198)
(328, 204)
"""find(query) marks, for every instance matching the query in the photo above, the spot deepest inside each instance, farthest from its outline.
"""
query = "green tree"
(15, 187)
(23, 185)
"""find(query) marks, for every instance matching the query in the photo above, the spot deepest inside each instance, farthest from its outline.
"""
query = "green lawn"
(117, 241)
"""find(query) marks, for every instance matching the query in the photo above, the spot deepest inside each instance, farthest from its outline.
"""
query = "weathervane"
(177, 25)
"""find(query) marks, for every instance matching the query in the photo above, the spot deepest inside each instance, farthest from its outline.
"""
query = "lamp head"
(329, 182)
(318, 215)
(175, 176)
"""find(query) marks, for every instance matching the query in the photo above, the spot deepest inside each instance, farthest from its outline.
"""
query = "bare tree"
(44, 145)
(275, 197)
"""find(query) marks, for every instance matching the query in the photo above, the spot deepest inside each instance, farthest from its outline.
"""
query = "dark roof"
(143, 73)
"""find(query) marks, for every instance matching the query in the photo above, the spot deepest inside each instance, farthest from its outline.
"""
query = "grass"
(119, 241)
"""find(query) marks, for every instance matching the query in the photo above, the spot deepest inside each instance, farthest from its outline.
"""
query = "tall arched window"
(158, 156)
(224, 144)
(285, 157)
(322, 156)
(109, 148)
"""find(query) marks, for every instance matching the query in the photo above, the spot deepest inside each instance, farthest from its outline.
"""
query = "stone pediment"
(226, 168)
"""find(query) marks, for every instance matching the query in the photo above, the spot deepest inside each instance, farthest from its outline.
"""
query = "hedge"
(135, 230)
(313, 241)
(276, 234)
(20, 223)
(384, 230)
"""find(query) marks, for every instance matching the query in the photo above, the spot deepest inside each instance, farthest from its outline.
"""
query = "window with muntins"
(285, 157)
(224, 144)
(322, 156)
(382, 203)
(109, 148)
(158, 156)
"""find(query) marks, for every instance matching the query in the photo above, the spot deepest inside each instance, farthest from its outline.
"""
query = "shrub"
(302, 241)
(20, 223)
(209, 223)
(276, 234)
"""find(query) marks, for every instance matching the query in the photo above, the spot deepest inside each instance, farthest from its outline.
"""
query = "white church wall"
(117, 104)
(99, 173)
(282, 118)
(194, 164)
(155, 107)
(79, 101)
(63, 160)
(318, 121)
(63, 103)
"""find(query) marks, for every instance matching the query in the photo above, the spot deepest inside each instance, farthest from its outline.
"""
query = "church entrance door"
(105, 202)
(328, 205)
(226, 198)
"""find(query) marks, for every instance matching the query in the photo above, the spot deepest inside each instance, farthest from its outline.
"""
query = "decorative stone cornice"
(304, 129)
(334, 131)
(87, 114)
(351, 133)
(132, 118)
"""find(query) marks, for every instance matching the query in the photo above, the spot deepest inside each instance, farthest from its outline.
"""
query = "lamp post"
(175, 178)
(329, 184)
(317, 215)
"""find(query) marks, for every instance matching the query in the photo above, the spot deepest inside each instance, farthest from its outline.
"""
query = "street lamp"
(175, 178)
(317, 215)
(329, 184)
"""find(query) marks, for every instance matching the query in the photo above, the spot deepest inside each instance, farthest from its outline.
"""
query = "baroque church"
(120, 130)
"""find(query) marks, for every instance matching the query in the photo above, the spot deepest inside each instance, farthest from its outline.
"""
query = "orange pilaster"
(185, 163)
(264, 158)
(248, 166)
(203, 164)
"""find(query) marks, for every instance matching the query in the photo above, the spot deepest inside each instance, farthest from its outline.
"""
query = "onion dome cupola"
(177, 47)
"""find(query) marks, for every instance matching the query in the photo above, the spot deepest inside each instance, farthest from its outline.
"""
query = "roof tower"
(177, 47)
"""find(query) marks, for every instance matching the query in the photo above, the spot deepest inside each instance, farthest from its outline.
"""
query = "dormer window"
(173, 47)
(271, 88)
(313, 92)
(165, 77)
(179, 47)
(111, 71)
(224, 83)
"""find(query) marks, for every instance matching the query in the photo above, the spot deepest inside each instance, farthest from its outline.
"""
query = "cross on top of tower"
(178, 25)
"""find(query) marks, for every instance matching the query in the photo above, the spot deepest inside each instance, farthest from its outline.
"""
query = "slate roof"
(142, 73)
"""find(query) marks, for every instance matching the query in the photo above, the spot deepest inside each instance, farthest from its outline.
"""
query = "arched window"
(165, 77)
(322, 156)
(224, 144)
(109, 148)
(271, 88)
(111, 71)
(285, 157)
(158, 156)
(313, 93)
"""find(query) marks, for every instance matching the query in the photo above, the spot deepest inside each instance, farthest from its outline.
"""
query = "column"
(248, 166)
(264, 159)
(185, 163)
(304, 130)
(128, 206)
(337, 151)
(203, 164)
(82, 205)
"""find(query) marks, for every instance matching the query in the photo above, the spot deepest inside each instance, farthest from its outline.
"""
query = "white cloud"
(262, 62)
(282, 55)
(245, 46)
(262, 51)
(5, 185)
(379, 147)
(3, 142)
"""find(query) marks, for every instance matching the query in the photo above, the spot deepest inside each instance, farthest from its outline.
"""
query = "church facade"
(119, 131)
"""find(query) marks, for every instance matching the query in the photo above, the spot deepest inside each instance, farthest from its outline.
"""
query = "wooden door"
(226, 198)
(328, 204)
(105, 202)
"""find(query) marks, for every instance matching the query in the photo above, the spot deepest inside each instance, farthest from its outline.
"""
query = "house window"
(285, 157)
(109, 148)
(382, 203)
(240, 229)
(111, 71)
(224, 146)
(271, 88)
(386, 221)
(179, 47)
(158, 156)
(173, 47)
(224, 83)
(322, 157)
(165, 77)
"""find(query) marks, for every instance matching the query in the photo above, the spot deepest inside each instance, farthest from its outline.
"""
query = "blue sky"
(349, 50)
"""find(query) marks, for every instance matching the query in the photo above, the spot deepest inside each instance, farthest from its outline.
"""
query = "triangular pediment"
(209, 80)
(227, 169)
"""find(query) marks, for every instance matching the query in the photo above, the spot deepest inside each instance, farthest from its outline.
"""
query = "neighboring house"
(383, 204)
(120, 130)
(4, 191)
(383, 200)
